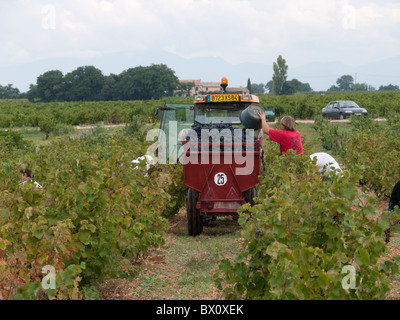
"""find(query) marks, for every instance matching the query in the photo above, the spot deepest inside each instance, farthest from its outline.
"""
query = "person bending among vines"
(326, 163)
(26, 176)
(393, 202)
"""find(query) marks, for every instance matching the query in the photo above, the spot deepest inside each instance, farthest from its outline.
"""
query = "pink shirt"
(287, 140)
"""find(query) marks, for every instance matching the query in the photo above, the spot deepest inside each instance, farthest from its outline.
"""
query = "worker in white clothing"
(26, 176)
(326, 163)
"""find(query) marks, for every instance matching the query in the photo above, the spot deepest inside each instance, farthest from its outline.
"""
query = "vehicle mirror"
(158, 113)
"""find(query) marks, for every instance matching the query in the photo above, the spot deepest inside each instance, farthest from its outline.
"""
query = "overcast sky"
(354, 32)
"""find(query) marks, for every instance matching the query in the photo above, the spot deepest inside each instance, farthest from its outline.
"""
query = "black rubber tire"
(195, 223)
(249, 196)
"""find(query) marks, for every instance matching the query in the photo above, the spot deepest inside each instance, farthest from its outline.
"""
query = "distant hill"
(320, 75)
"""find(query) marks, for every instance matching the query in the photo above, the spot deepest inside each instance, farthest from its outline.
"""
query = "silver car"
(343, 109)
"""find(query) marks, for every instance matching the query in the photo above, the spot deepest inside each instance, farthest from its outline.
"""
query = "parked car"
(343, 110)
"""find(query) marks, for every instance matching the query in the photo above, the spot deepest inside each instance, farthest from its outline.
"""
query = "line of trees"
(8, 92)
(88, 83)
(347, 83)
(280, 86)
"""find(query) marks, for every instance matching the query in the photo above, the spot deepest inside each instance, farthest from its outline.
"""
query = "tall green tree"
(50, 86)
(389, 87)
(269, 86)
(84, 84)
(291, 87)
(8, 92)
(32, 93)
(345, 83)
(363, 87)
(257, 88)
(108, 90)
(145, 83)
(249, 85)
(333, 88)
(184, 88)
(279, 76)
(294, 85)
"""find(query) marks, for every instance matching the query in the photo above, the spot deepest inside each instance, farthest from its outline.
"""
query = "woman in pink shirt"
(288, 138)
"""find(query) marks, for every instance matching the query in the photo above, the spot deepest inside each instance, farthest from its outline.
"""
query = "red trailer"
(222, 160)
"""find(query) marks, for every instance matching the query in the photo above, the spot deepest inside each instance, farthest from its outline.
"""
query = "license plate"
(227, 205)
(358, 114)
(223, 97)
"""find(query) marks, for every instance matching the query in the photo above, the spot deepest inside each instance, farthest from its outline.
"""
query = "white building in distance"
(188, 88)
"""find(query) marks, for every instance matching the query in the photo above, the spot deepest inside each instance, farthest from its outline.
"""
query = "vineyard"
(307, 106)
(98, 218)
(21, 113)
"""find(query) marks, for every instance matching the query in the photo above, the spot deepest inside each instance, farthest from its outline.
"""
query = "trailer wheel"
(195, 223)
(249, 196)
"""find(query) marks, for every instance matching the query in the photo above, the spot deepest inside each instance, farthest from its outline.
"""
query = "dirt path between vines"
(88, 127)
(120, 125)
(184, 267)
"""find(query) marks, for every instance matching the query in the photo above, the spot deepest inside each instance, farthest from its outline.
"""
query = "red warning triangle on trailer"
(210, 194)
(232, 194)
